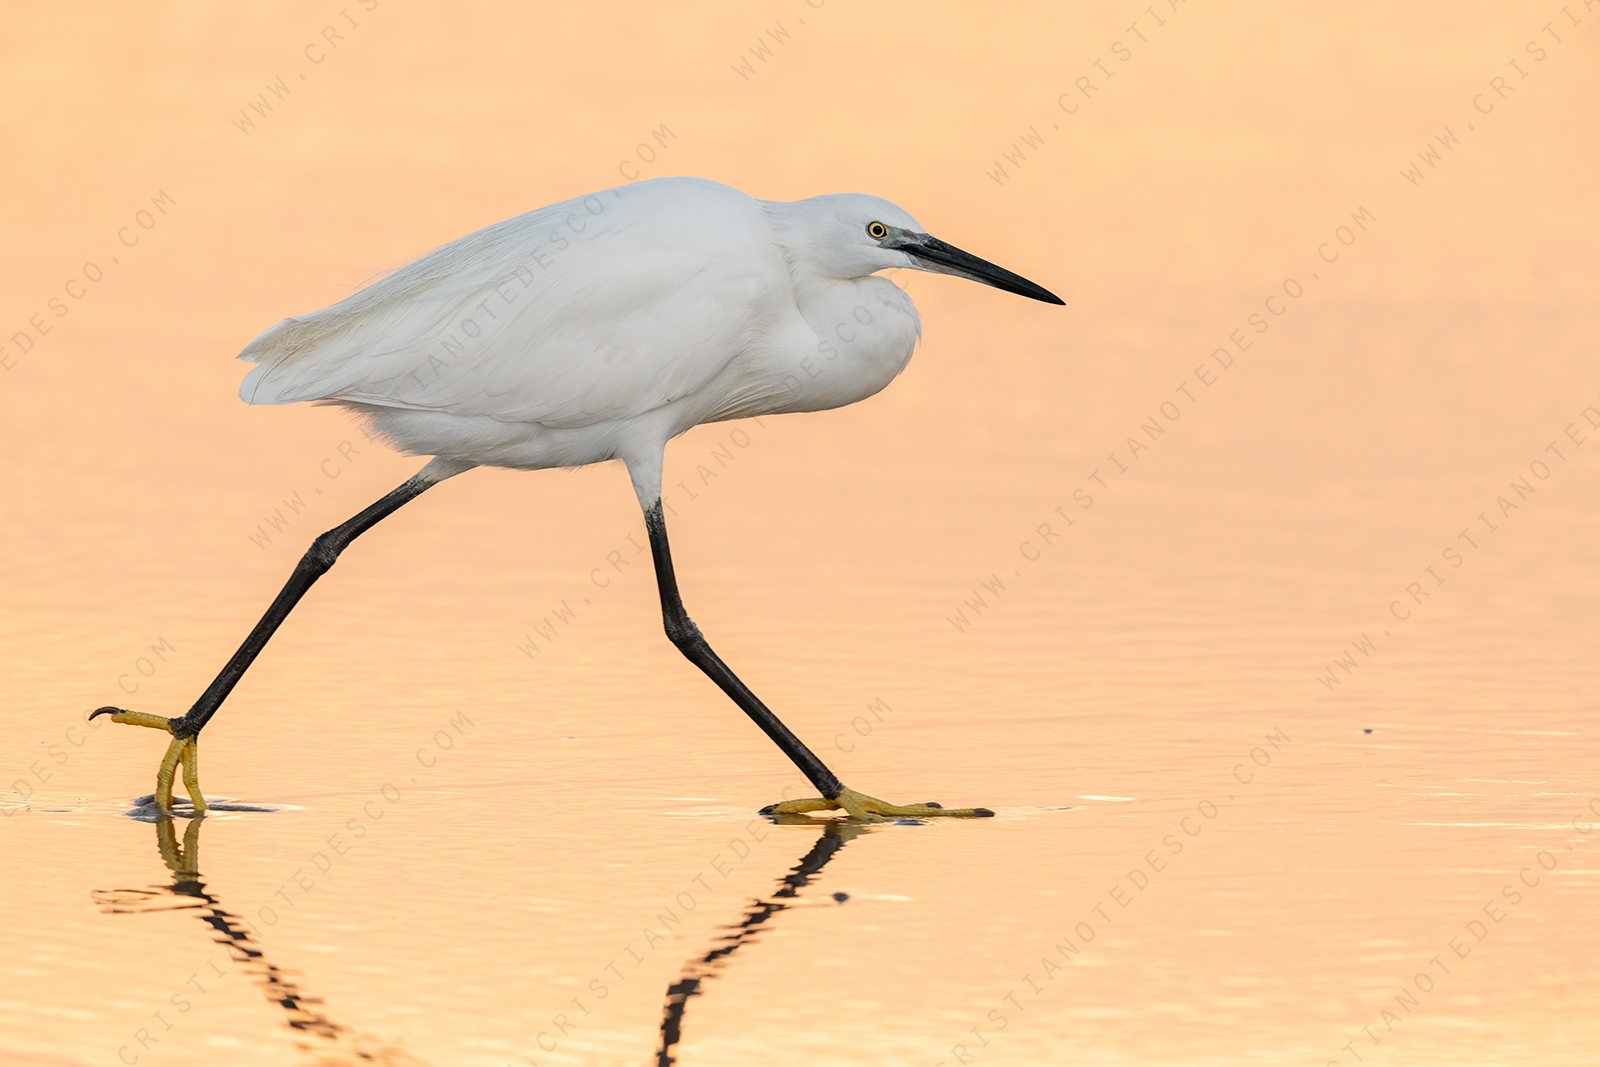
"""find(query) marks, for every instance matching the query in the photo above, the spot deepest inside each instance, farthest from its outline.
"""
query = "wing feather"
(592, 309)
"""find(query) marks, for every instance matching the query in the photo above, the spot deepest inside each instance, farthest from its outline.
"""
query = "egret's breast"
(848, 340)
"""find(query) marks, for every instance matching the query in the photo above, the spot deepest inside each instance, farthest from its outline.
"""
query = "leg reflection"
(324, 1041)
(836, 833)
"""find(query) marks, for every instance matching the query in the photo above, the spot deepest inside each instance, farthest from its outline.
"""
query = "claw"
(182, 750)
(134, 718)
(862, 808)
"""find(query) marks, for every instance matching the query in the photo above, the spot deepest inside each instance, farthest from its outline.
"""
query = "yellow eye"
(877, 231)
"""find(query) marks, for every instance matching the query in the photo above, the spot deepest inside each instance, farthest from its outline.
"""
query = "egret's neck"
(865, 326)
(791, 232)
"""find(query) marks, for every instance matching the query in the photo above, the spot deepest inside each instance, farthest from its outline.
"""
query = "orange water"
(497, 844)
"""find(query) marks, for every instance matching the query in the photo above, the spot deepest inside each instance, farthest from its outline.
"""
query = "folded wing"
(583, 311)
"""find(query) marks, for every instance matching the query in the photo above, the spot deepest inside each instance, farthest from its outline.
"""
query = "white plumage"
(603, 326)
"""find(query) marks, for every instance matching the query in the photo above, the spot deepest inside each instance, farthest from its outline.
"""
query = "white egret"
(596, 329)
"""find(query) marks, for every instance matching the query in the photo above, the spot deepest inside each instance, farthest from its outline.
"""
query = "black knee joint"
(682, 631)
(323, 551)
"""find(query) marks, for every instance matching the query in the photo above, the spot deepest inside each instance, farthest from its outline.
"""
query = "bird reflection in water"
(836, 833)
(323, 1041)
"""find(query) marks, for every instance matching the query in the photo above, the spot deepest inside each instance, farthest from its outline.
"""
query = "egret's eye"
(877, 231)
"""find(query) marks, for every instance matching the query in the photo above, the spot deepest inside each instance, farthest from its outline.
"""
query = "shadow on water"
(836, 833)
(324, 1042)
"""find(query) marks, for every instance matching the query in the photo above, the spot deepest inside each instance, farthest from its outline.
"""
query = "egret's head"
(851, 235)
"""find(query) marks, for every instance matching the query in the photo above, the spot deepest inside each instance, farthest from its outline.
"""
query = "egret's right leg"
(683, 633)
(185, 729)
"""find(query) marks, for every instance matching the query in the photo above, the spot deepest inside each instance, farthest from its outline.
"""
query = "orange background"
(1121, 678)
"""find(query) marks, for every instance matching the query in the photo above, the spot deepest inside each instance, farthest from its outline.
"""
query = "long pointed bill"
(930, 253)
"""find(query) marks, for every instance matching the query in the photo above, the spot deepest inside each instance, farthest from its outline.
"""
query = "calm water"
(1284, 691)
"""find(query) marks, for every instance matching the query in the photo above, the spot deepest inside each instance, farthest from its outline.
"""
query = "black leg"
(313, 565)
(686, 635)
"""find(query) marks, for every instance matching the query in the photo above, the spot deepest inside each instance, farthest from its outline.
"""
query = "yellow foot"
(182, 750)
(861, 807)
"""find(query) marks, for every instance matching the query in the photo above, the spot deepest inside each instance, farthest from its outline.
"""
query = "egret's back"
(595, 309)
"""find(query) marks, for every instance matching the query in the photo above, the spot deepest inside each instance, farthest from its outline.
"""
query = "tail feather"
(388, 316)
(280, 346)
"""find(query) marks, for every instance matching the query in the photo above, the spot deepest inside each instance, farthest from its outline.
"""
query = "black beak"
(930, 253)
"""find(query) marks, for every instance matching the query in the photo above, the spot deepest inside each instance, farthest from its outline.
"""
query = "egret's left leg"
(185, 729)
(692, 643)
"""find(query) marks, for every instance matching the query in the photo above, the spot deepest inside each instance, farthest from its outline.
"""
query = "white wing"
(596, 308)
